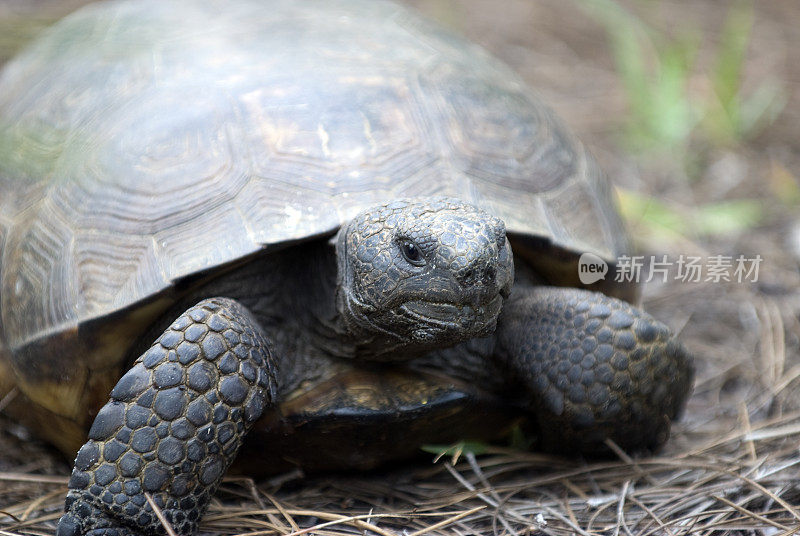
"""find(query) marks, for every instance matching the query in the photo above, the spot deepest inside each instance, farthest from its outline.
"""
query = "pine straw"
(732, 465)
(745, 481)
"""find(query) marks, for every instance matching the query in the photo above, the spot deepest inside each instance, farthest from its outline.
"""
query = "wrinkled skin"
(422, 275)
(415, 277)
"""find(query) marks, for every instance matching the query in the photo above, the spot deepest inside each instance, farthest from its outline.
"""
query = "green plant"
(660, 222)
(656, 70)
(729, 116)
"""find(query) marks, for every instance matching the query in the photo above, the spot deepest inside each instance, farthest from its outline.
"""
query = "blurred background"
(693, 109)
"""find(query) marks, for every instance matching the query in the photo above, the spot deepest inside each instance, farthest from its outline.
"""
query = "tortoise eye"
(411, 252)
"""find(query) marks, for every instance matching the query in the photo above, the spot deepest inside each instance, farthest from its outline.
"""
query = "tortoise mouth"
(459, 314)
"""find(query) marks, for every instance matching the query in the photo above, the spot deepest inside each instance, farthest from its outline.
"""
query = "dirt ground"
(732, 465)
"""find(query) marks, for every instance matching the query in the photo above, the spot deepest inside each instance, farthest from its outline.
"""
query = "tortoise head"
(419, 274)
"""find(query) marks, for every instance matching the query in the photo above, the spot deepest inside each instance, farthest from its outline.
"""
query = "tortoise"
(348, 232)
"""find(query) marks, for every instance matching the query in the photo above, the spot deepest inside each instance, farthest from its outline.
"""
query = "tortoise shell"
(148, 145)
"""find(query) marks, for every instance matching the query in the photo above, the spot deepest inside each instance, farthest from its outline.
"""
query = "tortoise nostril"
(468, 276)
(489, 274)
(478, 276)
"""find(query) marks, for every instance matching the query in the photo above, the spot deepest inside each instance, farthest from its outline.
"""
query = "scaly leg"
(593, 367)
(174, 424)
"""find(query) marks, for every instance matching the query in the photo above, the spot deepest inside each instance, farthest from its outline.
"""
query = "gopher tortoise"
(311, 208)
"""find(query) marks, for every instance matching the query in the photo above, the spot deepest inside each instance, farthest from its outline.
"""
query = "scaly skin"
(592, 367)
(174, 424)
(414, 275)
(394, 308)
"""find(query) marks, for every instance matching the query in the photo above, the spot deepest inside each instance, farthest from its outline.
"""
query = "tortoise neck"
(296, 298)
(329, 330)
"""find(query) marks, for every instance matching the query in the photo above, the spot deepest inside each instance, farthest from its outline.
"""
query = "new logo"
(591, 268)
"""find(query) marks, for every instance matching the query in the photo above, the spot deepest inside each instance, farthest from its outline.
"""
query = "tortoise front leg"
(174, 424)
(593, 367)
